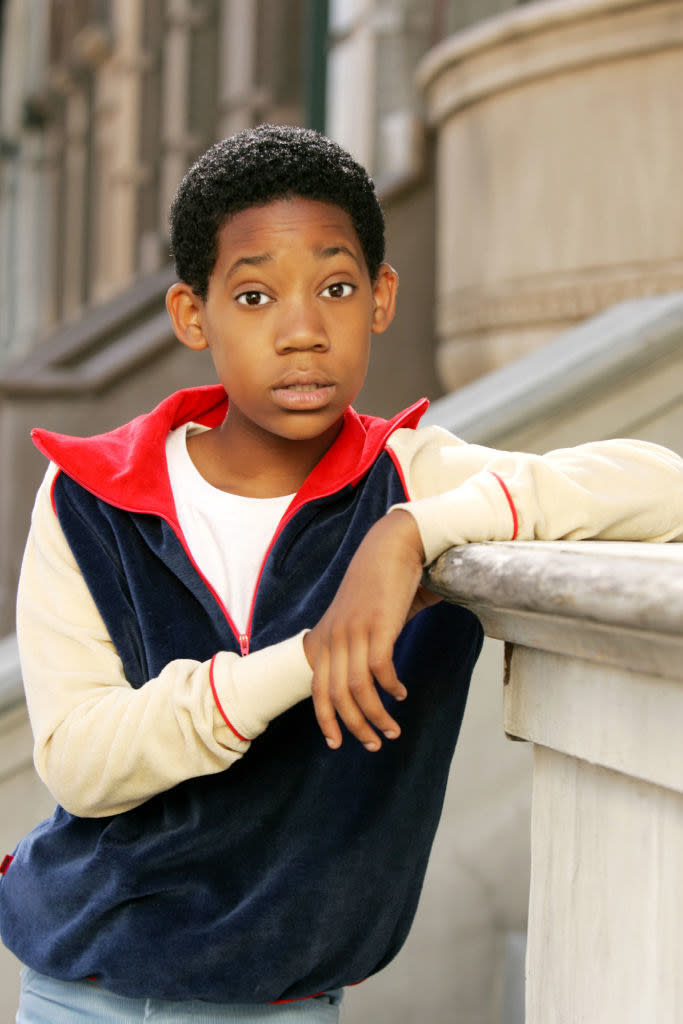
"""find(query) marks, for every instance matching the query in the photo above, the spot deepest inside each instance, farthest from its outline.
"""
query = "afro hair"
(258, 166)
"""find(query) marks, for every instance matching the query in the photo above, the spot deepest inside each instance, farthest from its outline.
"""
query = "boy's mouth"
(303, 391)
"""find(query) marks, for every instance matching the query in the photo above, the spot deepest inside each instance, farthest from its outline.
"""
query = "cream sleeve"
(607, 490)
(101, 746)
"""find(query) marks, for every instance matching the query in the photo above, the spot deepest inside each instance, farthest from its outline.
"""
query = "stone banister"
(594, 680)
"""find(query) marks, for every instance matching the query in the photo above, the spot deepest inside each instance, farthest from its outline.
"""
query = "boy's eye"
(253, 298)
(338, 290)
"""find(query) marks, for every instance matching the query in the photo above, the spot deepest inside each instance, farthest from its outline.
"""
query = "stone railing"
(594, 679)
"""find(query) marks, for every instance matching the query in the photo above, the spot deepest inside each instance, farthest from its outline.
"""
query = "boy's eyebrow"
(335, 250)
(248, 261)
(255, 261)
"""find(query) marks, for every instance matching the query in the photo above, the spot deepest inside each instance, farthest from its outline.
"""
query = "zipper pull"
(244, 644)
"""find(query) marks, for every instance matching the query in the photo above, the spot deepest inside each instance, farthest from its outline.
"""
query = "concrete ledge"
(619, 603)
(637, 585)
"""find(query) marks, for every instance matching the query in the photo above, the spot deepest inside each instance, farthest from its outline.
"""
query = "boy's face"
(288, 317)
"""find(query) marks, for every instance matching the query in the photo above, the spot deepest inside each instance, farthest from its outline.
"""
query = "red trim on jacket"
(513, 510)
(127, 467)
(124, 465)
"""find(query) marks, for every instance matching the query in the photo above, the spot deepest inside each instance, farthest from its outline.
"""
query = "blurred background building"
(528, 157)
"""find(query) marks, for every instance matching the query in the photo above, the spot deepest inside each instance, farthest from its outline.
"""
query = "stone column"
(176, 140)
(116, 147)
(236, 72)
(559, 150)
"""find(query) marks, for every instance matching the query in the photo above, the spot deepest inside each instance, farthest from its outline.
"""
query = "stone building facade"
(104, 106)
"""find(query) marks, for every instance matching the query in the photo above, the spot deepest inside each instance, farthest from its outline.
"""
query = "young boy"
(190, 580)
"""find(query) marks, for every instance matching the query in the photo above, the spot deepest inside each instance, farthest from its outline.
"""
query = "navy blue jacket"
(300, 868)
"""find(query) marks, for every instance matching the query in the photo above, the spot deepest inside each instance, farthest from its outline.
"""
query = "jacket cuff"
(479, 510)
(252, 692)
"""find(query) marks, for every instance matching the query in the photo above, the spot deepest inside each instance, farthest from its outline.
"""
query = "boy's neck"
(255, 466)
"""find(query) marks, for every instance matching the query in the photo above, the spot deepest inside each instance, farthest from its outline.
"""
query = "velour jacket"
(162, 873)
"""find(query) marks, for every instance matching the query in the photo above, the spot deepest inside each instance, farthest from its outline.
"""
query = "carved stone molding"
(551, 299)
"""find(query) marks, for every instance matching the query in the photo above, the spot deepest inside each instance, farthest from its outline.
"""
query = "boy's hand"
(354, 640)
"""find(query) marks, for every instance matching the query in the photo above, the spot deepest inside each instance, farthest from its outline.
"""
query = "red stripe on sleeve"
(225, 718)
(513, 510)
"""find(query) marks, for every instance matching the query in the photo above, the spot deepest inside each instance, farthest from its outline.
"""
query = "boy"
(193, 577)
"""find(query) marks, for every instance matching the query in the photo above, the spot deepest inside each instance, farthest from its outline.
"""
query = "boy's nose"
(301, 327)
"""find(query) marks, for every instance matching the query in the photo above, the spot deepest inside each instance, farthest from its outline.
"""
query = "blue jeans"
(46, 1000)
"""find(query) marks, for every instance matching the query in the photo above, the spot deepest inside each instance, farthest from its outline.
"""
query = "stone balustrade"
(594, 680)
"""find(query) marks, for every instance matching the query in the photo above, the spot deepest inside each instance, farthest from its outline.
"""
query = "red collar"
(127, 467)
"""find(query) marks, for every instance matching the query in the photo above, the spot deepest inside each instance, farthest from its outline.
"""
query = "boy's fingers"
(381, 664)
(355, 697)
(327, 721)
(322, 705)
(344, 687)
(348, 690)
(380, 670)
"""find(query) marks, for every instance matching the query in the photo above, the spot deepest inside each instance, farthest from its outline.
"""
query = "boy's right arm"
(102, 746)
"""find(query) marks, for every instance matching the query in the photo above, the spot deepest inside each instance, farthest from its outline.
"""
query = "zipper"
(242, 638)
(289, 514)
(296, 506)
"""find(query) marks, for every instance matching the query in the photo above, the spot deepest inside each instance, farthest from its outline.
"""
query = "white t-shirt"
(228, 535)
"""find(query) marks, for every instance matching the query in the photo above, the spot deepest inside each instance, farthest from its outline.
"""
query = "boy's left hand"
(353, 644)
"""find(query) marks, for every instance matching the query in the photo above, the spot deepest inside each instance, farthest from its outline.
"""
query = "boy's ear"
(384, 290)
(185, 309)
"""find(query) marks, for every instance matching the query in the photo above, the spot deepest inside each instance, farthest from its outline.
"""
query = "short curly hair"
(256, 167)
